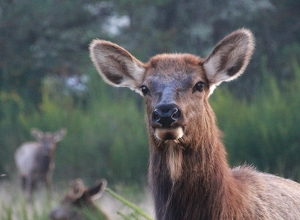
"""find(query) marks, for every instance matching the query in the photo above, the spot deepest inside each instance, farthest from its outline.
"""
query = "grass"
(13, 205)
(138, 210)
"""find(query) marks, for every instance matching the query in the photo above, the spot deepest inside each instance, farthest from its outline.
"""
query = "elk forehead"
(173, 73)
(173, 65)
(48, 137)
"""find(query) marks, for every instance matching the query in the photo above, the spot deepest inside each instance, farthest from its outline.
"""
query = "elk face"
(48, 140)
(174, 89)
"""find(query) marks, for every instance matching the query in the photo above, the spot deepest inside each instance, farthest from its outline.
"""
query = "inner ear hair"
(116, 65)
(230, 57)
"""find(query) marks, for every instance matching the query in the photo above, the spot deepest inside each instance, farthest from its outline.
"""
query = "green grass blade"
(129, 204)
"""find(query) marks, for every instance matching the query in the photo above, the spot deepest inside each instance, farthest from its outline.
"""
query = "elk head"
(48, 140)
(78, 199)
(176, 88)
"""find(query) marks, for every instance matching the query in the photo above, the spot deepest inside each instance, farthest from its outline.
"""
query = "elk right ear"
(229, 58)
(37, 134)
(116, 65)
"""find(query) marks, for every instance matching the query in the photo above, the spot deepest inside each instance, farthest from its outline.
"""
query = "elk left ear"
(59, 135)
(97, 190)
(77, 189)
(229, 58)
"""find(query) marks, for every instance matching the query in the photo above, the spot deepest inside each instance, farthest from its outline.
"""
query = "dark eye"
(199, 86)
(145, 90)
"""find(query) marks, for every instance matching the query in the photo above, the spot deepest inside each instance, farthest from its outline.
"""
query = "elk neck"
(193, 172)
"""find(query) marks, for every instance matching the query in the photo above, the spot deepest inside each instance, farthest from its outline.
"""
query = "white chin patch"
(168, 133)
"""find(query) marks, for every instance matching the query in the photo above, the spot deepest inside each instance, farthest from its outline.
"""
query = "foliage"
(105, 139)
(41, 37)
(265, 131)
(38, 38)
(10, 130)
(195, 27)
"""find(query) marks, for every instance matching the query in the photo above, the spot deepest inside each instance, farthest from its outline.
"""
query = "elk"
(78, 203)
(188, 172)
(35, 160)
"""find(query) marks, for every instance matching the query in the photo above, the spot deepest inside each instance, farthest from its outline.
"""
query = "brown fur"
(188, 170)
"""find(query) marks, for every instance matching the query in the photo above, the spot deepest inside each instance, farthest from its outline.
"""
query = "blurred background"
(47, 81)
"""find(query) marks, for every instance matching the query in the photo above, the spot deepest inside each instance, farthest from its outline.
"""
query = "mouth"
(168, 133)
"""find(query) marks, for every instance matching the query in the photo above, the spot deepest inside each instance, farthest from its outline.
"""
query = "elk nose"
(165, 115)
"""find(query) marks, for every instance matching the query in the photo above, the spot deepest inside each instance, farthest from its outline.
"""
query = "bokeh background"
(47, 81)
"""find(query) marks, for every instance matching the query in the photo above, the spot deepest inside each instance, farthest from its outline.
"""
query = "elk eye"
(198, 87)
(145, 90)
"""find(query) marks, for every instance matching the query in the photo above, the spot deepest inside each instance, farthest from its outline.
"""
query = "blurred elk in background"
(78, 202)
(35, 160)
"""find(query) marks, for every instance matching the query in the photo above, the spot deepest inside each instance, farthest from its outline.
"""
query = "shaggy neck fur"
(193, 172)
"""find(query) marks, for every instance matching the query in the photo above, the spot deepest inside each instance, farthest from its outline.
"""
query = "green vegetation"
(264, 131)
(137, 210)
(106, 138)
(14, 206)
(43, 45)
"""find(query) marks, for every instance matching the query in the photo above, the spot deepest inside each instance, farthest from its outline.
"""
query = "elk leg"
(30, 186)
(48, 183)
(23, 183)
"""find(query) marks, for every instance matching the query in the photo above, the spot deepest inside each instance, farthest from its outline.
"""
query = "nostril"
(155, 116)
(165, 115)
(176, 114)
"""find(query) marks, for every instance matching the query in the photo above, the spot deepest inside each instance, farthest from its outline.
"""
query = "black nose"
(166, 114)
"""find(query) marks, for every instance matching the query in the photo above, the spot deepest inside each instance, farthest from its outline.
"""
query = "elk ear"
(77, 189)
(37, 134)
(229, 58)
(97, 190)
(59, 135)
(116, 65)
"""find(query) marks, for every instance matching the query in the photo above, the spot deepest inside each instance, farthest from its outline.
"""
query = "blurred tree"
(190, 26)
(195, 27)
(39, 37)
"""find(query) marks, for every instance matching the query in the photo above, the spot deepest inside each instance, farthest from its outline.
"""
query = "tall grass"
(13, 205)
